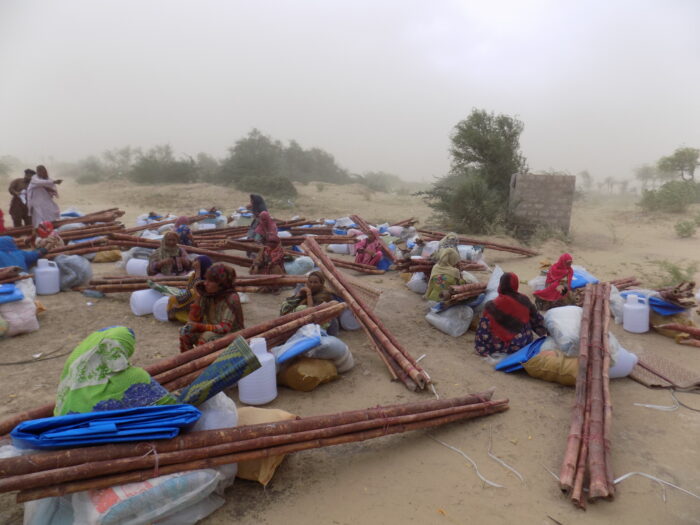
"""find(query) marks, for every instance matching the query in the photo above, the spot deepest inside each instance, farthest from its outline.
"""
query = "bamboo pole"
(607, 414)
(598, 485)
(168, 363)
(103, 467)
(17, 278)
(49, 460)
(156, 225)
(675, 327)
(573, 445)
(120, 240)
(368, 318)
(142, 475)
(480, 242)
(184, 375)
(83, 251)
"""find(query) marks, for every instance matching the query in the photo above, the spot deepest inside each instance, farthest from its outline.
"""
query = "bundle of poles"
(104, 216)
(426, 266)
(62, 472)
(688, 335)
(682, 294)
(398, 360)
(587, 459)
(625, 282)
(406, 223)
(432, 235)
(244, 283)
(11, 274)
(181, 370)
(463, 292)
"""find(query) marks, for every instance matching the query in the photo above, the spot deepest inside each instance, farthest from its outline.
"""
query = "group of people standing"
(33, 198)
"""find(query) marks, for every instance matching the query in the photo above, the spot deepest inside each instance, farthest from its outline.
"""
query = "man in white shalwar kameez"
(40, 197)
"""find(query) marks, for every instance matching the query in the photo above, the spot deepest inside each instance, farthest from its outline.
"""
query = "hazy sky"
(600, 85)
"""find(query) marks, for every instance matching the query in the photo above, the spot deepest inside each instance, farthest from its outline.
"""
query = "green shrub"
(89, 178)
(674, 274)
(685, 229)
(673, 197)
(279, 187)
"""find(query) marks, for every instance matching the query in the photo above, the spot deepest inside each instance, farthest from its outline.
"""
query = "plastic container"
(635, 314)
(160, 309)
(260, 387)
(137, 266)
(47, 277)
(143, 301)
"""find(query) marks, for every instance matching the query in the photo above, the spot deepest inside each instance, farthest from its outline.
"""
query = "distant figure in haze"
(18, 205)
(41, 193)
(257, 206)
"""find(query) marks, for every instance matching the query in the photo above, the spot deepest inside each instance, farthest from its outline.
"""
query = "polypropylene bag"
(493, 284)
(564, 325)
(454, 321)
(299, 266)
(625, 361)
(417, 283)
(335, 350)
(74, 271)
(538, 283)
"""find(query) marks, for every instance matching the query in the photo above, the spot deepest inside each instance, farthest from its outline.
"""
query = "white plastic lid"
(632, 299)
(258, 345)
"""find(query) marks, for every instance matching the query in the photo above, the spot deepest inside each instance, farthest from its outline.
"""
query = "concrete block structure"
(541, 200)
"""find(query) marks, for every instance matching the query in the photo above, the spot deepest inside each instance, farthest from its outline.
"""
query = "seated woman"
(97, 376)
(10, 255)
(216, 310)
(444, 274)
(180, 300)
(508, 321)
(169, 259)
(368, 250)
(448, 241)
(48, 238)
(557, 290)
(270, 259)
(182, 228)
(312, 294)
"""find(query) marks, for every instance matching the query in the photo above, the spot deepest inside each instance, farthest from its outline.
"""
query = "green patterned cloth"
(98, 376)
(234, 363)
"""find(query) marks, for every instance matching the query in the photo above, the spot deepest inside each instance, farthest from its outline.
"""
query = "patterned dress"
(486, 343)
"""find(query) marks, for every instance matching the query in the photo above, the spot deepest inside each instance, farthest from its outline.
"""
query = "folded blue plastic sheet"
(581, 279)
(514, 362)
(9, 293)
(110, 426)
(660, 306)
(301, 346)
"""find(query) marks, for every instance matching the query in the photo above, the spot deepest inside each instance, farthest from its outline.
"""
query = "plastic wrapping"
(564, 326)
(454, 321)
(75, 270)
(417, 283)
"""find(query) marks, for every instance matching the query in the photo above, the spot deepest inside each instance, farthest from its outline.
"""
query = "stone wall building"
(541, 200)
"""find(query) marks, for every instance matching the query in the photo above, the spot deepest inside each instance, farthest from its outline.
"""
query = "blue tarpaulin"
(515, 361)
(110, 426)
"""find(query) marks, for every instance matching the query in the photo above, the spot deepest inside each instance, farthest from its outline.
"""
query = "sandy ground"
(410, 478)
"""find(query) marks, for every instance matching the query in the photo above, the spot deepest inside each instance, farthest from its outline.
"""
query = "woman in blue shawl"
(10, 255)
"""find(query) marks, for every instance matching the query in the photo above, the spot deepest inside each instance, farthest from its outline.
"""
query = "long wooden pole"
(142, 475)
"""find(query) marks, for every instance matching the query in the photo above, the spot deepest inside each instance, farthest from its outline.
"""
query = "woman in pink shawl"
(368, 250)
(270, 259)
(557, 285)
(40, 197)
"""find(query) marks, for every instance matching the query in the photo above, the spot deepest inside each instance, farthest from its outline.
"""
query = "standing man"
(41, 193)
(18, 205)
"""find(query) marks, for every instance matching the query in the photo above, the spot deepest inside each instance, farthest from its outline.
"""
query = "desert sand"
(410, 478)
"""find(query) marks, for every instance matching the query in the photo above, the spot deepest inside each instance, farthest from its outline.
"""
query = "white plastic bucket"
(47, 277)
(143, 301)
(160, 309)
(137, 266)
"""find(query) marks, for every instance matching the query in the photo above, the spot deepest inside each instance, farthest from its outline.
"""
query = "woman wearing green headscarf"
(97, 376)
(444, 274)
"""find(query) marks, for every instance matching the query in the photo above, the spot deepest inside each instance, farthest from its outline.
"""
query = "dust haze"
(602, 86)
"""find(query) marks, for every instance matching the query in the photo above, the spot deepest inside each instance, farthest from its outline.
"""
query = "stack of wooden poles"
(181, 370)
(406, 223)
(687, 335)
(105, 216)
(587, 459)
(431, 235)
(11, 274)
(625, 283)
(398, 360)
(244, 283)
(462, 292)
(73, 470)
(426, 266)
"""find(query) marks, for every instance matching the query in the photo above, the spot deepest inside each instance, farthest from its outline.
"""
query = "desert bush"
(673, 197)
(278, 187)
(320, 186)
(674, 274)
(685, 229)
